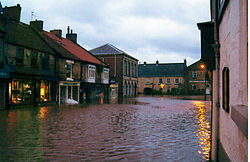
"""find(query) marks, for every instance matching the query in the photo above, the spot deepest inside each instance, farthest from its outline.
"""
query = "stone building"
(164, 77)
(123, 70)
(230, 82)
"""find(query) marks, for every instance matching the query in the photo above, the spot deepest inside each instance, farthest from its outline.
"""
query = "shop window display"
(45, 91)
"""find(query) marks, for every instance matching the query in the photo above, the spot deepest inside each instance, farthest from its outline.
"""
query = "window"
(135, 71)
(225, 88)
(147, 81)
(69, 70)
(132, 69)
(128, 68)
(34, 58)
(194, 87)
(91, 73)
(168, 81)
(45, 61)
(105, 75)
(125, 68)
(177, 81)
(160, 80)
(19, 56)
(194, 75)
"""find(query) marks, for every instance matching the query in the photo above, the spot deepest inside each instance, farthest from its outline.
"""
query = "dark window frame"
(34, 55)
(20, 56)
(45, 61)
(225, 89)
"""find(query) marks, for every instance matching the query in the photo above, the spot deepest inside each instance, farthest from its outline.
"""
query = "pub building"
(27, 63)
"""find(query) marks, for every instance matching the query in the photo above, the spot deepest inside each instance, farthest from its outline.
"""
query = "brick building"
(123, 69)
(198, 80)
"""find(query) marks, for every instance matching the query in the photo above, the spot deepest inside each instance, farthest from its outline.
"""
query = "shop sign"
(70, 84)
(4, 74)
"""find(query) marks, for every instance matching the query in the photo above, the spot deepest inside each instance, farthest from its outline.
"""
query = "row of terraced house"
(37, 66)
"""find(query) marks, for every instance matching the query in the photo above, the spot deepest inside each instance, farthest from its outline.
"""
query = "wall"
(233, 41)
(155, 80)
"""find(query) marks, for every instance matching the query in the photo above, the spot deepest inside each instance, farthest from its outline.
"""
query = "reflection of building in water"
(203, 132)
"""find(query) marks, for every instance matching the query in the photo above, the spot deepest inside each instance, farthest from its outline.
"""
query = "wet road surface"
(141, 129)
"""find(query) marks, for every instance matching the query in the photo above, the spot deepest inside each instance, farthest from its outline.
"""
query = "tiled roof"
(71, 48)
(161, 70)
(108, 49)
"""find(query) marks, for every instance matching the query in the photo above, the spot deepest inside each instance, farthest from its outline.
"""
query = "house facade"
(38, 67)
(230, 81)
(167, 78)
(198, 79)
(28, 73)
(123, 70)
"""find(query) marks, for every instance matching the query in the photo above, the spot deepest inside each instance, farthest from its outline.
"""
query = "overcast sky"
(148, 30)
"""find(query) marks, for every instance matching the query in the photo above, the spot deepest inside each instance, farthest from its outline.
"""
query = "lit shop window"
(16, 92)
(45, 91)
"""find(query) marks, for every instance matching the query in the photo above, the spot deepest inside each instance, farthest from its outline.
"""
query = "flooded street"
(141, 129)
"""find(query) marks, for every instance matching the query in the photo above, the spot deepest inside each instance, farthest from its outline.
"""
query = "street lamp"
(203, 67)
(162, 86)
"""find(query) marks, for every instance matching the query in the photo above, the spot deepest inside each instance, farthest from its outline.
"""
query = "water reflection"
(204, 130)
(141, 129)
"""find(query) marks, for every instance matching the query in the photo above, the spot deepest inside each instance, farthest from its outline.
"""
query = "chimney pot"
(157, 62)
(68, 30)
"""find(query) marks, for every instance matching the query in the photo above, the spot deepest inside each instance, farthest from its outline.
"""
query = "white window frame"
(161, 81)
(105, 76)
(147, 81)
(69, 62)
(91, 73)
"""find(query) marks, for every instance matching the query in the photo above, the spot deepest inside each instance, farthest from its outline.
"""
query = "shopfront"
(23, 91)
(69, 92)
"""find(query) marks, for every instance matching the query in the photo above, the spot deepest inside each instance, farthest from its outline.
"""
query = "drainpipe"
(216, 47)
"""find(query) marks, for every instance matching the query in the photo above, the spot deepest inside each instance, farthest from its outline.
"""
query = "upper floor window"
(135, 70)
(91, 73)
(132, 69)
(69, 68)
(177, 81)
(194, 75)
(128, 68)
(34, 58)
(160, 80)
(105, 75)
(168, 81)
(125, 68)
(45, 61)
(147, 81)
(19, 56)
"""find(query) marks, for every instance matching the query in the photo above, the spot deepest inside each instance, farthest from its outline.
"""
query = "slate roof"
(161, 70)
(24, 35)
(108, 49)
(69, 49)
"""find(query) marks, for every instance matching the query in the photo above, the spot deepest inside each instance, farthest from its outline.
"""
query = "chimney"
(38, 24)
(157, 62)
(185, 62)
(13, 12)
(57, 32)
(71, 36)
(145, 63)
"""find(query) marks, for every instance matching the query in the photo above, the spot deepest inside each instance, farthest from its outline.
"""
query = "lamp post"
(203, 67)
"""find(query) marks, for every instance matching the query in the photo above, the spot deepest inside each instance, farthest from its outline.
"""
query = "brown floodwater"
(141, 129)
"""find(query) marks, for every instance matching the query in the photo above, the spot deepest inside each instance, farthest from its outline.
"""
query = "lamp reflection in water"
(204, 130)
